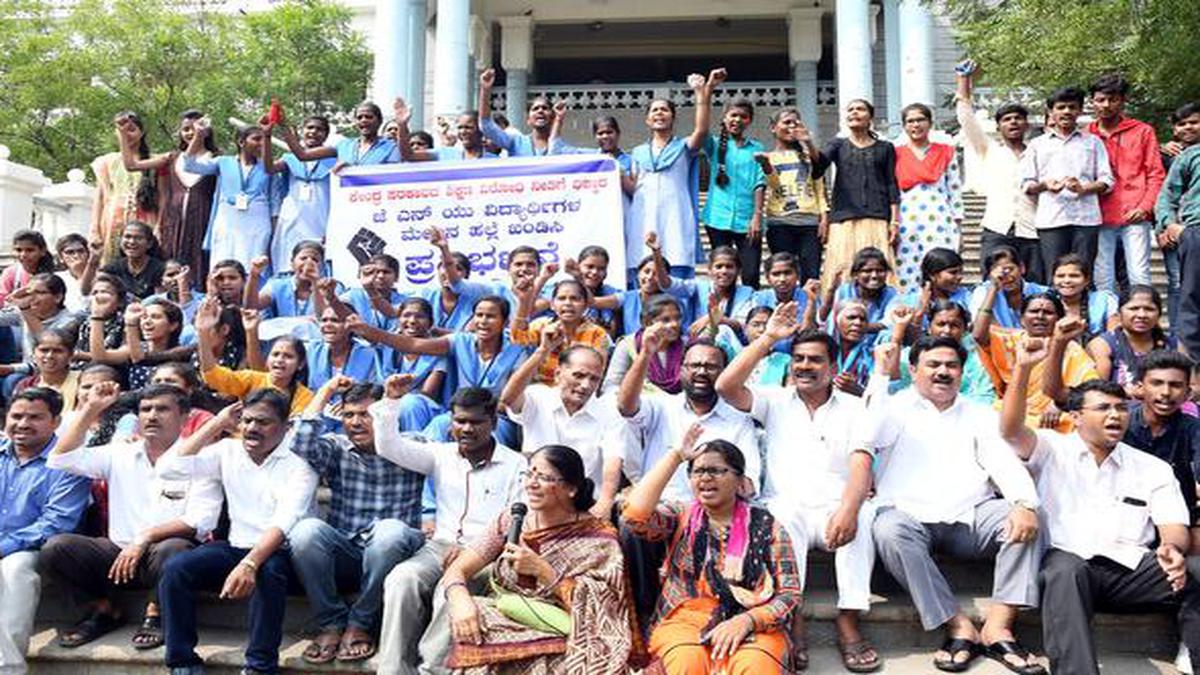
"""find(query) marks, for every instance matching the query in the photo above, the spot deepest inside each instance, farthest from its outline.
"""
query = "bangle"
(249, 563)
(983, 310)
(97, 318)
(446, 590)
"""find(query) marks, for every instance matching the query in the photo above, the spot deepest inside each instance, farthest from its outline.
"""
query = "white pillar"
(400, 56)
(891, 57)
(804, 51)
(451, 57)
(481, 53)
(73, 200)
(854, 33)
(18, 185)
(516, 55)
(916, 54)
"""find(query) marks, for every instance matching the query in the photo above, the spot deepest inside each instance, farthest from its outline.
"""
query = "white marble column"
(804, 51)
(916, 54)
(854, 37)
(516, 56)
(400, 56)
(451, 57)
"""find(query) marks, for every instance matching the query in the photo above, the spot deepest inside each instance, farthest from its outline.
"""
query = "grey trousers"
(407, 593)
(906, 549)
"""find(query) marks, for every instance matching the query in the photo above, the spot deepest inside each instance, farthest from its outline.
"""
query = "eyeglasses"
(539, 478)
(709, 471)
(1105, 408)
(703, 367)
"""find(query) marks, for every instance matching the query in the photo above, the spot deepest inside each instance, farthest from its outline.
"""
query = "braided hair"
(722, 177)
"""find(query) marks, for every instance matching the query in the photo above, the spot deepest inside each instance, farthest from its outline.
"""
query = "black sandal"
(954, 647)
(854, 656)
(89, 628)
(1002, 648)
(149, 635)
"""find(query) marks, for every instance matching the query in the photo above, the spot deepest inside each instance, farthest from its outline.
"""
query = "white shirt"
(1108, 510)
(660, 424)
(469, 498)
(277, 493)
(1053, 156)
(1008, 206)
(545, 421)
(137, 498)
(937, 466)
(808, 454)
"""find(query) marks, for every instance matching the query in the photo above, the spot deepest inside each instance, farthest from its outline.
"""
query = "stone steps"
(1140, 643)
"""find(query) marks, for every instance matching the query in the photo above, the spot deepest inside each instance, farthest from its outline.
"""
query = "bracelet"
(249, 563)
(983, 310)
(97, 318)
(446, 590)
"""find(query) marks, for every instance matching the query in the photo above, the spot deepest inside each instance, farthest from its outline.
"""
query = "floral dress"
(929, 217)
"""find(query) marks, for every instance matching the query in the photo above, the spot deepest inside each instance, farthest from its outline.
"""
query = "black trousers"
(749, 252)
(81, 564)
(1029, 252)
(1189, 291)
(1074, 588)
(643, 559)
(1059, 241)
(801, 241)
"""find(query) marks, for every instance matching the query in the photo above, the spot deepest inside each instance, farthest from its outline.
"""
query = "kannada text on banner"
(557, 205)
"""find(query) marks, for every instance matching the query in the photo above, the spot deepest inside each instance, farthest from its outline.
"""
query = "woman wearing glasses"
(731, 583)
(566, 580)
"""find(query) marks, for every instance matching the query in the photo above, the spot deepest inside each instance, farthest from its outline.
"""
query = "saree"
(591, 586)
(1000, 359)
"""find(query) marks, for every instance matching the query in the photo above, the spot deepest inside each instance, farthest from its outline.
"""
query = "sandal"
(322, 649)
(89, 628)
(800, 656)
(351, 648)
(149, 635)
(997, 651)
(953, 647)
(854, 656)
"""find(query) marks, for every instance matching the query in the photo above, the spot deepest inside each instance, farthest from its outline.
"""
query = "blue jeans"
(1171, 261)
(325, 559)
(1189, 290)
(1135, 240)
(204, 569)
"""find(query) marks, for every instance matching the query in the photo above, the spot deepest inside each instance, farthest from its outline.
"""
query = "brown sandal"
(799, 655)
(854, 656)
(322, 649)
(351, 647)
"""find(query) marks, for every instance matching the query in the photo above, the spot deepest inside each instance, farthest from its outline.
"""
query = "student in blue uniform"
(652, 279)
(338, 352)
(304, 188)
(1004, 292)
(539, 120)
(240, 227)
(720, 291)
(868, 282)
(666, 198)
(484, 358)
(369, 148)
(292, 293)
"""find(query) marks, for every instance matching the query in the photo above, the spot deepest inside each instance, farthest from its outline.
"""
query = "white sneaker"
(1183, 661)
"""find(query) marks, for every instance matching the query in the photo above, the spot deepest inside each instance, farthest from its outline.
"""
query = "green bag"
(531, 612)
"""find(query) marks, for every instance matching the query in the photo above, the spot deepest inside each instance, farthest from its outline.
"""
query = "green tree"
(1043, 44)
(64, 74)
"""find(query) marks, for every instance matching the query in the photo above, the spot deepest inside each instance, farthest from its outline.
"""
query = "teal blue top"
(731, 207)
(1179, 199)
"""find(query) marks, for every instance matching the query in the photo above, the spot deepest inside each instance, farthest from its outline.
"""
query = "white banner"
(557, 205)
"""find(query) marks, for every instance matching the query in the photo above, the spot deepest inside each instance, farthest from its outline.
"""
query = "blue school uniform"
(382, 151)
(240, 225)
(666, 202)
(358, 300)
(698, 291)
(468, 370)
(912, 298)
(631, 306)
(1003, 316)
(1101, 305)
(417, 409)
(362, 365)
(456, 153)
(284, 302)
(469, 292)
(517, 145)
(303, 206)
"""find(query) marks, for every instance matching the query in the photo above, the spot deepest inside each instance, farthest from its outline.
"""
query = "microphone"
(518, 518)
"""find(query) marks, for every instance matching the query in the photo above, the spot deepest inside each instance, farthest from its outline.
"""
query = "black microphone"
(518, 518)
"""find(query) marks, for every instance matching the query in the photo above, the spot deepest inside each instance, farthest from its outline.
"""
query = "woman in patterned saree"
(567, 560)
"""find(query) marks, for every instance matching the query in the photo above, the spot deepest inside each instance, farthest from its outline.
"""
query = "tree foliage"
(65, 73)
(1043, 44)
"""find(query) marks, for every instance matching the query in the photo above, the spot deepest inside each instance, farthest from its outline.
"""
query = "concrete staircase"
(1130, 644)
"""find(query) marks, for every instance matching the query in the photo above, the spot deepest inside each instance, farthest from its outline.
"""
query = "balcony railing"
(638, 96)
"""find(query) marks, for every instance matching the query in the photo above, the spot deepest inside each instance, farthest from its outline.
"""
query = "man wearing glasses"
(1104, 504)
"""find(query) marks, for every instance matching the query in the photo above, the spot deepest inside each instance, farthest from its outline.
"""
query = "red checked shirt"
(1136, 165)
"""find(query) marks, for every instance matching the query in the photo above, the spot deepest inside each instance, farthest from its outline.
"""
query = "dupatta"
(912, 170)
